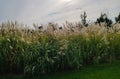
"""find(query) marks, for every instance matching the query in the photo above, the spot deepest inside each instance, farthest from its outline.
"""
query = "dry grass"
(69, 46)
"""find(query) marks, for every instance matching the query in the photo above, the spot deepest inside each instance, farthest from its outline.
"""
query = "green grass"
(33, 52)
(104, 71)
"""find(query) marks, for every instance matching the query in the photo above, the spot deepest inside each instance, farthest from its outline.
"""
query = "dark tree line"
(117, 19)
(83, 19)
(102, 19)
(105, 19)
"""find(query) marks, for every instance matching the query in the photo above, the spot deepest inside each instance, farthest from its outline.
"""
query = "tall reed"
(69, 47)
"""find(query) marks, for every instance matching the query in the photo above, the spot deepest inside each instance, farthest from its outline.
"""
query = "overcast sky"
(43, 11)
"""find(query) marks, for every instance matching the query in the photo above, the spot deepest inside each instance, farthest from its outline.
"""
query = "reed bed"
(69, 47)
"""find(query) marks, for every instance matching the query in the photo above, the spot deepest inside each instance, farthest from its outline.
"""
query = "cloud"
(43, 11)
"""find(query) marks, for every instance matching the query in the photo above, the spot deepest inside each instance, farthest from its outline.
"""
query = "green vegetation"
(104, 71)
(104, 18)
(117, 19)
(33, 52)
(39, 52)
(83, 19)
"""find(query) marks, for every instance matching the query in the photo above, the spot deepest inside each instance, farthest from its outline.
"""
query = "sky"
(58, 11)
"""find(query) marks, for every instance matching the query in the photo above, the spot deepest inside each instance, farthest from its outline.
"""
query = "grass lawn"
(104, 71)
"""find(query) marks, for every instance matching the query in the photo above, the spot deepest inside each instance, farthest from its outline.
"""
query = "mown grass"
(103, 71)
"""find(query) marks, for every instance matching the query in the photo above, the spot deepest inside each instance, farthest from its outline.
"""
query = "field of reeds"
(56, 48)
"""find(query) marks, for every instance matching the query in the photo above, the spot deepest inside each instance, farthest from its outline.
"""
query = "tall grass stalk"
(35, 52)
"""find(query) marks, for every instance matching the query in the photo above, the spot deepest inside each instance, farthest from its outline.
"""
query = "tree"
(83, 19)
(105, 19)
(117, 19)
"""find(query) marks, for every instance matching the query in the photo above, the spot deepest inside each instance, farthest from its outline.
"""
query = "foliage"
(104, 18)
(11, 55)
(83, 19)
(117, 19)
(33, 52)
